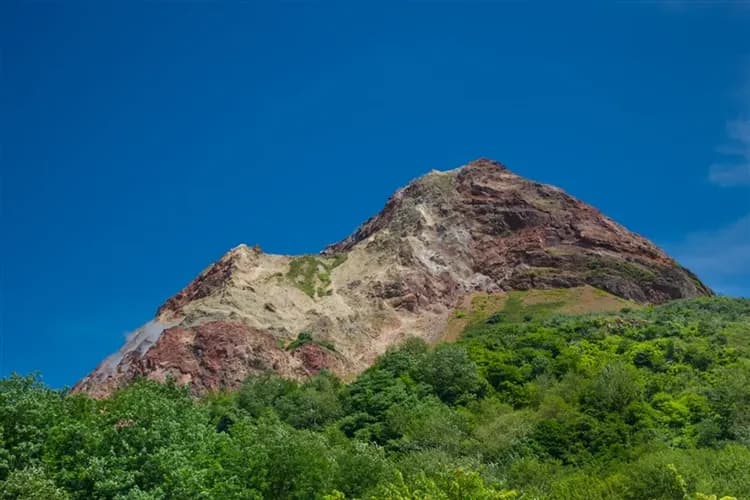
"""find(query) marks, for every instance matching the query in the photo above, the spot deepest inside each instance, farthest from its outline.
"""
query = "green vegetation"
(528, 403)
(516, 310)
(604, 267)
(312, 274)
(307, 338)
(528, 304)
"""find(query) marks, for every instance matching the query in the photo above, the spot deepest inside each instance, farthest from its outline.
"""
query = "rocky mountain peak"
(487, 165)
(444, 237)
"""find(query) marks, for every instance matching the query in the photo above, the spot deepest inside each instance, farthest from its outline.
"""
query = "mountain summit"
(442, 239)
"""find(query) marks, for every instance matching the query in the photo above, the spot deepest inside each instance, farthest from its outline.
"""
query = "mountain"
(441, 241)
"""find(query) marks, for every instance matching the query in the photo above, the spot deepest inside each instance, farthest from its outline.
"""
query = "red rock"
(442, 237)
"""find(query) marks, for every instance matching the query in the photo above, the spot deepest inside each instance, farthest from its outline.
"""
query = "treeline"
(651, 403)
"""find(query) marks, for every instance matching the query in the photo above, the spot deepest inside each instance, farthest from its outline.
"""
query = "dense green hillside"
(528, 403)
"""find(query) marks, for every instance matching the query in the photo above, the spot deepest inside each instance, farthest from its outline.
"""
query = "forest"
(646, 402)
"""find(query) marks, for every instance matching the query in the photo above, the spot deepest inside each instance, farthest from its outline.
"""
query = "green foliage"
(309, 405)
(515, 310)
(312, 274)
(304, 338)
(451, 375)
(456, 484)
(27, 408)
(32, 483)
(645, 403)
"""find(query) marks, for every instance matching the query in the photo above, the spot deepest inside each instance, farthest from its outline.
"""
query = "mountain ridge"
(442, 237)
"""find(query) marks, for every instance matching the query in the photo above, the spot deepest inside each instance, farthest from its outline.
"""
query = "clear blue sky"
(139, 143)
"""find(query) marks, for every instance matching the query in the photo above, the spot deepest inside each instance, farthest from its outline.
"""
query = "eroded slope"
(445, 236)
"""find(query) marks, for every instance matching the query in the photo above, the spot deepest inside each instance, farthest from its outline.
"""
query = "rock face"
(448, 234)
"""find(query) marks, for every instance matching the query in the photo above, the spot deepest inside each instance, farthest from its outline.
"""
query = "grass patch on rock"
(312, 274)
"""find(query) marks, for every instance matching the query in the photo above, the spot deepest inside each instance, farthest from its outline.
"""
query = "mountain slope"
(478, 228)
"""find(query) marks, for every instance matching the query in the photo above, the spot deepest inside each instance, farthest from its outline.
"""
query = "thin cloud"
(686, 6)
(721, 257)
(737, 171)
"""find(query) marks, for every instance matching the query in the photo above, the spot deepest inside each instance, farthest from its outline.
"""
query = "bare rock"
(478, 228)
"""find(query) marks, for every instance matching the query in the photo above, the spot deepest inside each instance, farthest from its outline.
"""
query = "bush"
(650, 404)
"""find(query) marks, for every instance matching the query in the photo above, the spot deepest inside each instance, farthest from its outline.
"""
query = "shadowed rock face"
(521, 234)
(478, 228)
